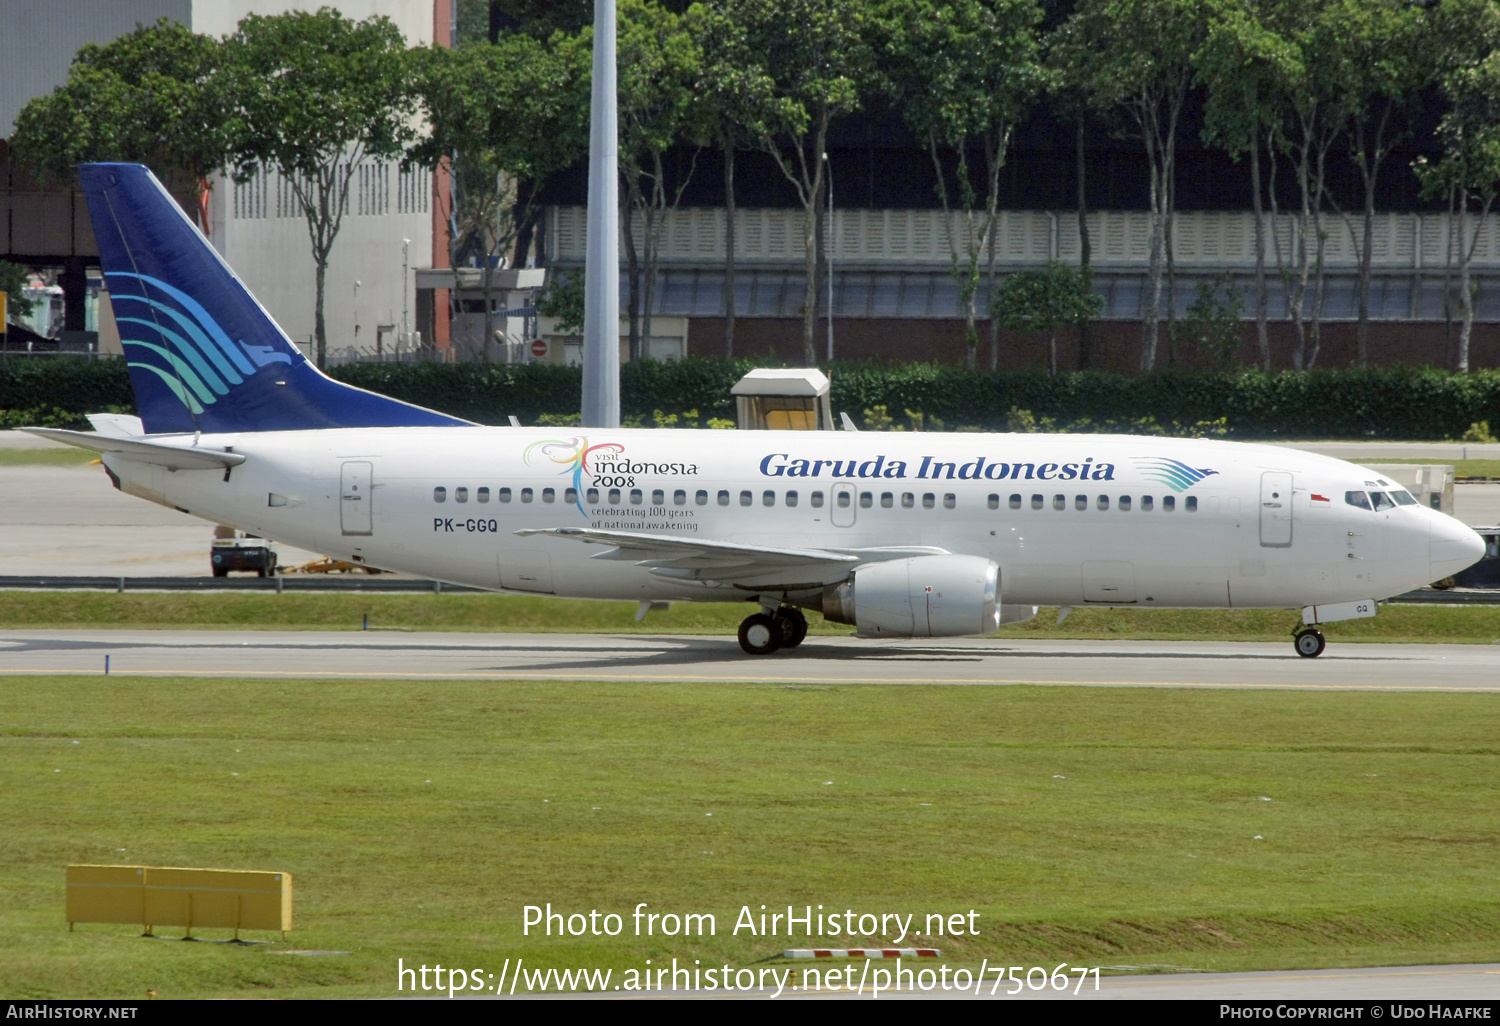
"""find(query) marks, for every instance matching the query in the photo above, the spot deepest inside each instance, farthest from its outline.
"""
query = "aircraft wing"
(751, 566)
(172, 457)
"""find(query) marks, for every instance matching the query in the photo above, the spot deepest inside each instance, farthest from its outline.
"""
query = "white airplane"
(900, 535)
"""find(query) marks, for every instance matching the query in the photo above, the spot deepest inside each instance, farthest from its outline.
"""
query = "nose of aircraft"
(1452, 547)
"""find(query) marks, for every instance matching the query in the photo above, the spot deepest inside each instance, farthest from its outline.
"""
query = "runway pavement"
(818, 662)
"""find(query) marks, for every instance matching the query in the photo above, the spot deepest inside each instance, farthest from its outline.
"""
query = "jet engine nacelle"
(922, 597)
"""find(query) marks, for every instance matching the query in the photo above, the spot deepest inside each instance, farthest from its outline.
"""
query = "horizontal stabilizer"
(172, 457)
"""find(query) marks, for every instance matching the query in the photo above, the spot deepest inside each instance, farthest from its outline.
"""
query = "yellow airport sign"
(231, 899)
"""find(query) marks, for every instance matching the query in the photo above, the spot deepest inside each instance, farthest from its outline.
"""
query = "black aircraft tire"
(760, 635)
(793, 626)
(1310, 643)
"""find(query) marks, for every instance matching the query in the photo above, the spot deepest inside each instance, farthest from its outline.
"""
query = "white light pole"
(828, 236)
(601, 275)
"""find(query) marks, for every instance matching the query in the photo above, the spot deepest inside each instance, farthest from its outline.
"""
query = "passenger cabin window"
(503, 494)
(636, 498)
(950, 501)
(549, 494)
(1080, 502)
(1168, 503)
(483, 495)
(866, 500)
(1124, 504)
(1146, 501)
(723, 497)
(842, 500)
(570, 496)
(768, 498)
(658, 497)
(1102, 502)
(1382, 501)
(908, 500)
(1059, 502)
(1036, 502)
(993, 501)
(614, 496)
(745, 498)
(817, 500)
(460, 495)
(1359, 499)
(440, 494)
(928, 500)
(1015, 502)
(701, 498)
(1191, 503)
(887, 500)
(679, 498)
(593, 496)
(525, 494)
(791, 498)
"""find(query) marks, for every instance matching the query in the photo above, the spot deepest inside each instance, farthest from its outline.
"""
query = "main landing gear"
(762, 633)
(1309, 642)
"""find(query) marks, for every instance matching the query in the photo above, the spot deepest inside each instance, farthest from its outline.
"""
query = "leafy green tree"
(817, 58)
(154, 96)
(314, 94)
(1044, 301)
(1381, 55)
(13, 284)
(1242, 110)
(962, 73)
(659, 62)
(1138, 55)
(1468, 56)
(495, 116)
(735, 95)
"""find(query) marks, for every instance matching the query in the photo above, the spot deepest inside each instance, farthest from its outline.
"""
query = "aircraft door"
(842, 512)
(1275, 509)
(355, 493)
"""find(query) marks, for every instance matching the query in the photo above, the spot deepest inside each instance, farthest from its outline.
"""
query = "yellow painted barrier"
(231, 899)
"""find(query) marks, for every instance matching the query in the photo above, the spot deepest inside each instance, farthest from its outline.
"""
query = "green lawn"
(1108, 827)
(519, 613)
(69, 456)
(1461, 468)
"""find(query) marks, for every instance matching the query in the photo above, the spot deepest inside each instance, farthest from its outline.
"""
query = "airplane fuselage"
(1070, 519)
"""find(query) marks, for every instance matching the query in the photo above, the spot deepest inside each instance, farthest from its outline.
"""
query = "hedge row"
(1388, 402)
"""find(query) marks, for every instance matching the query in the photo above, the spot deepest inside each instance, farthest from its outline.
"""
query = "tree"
(1381, 58)
(735, 96)
(815, 54)
(1468, 35)
(962, 72)
(154, 96)
(314, 95)
(13, 283)
(1139, 59)
(496, 115)
(659, 63)
(1044, 301)
(1242, 110)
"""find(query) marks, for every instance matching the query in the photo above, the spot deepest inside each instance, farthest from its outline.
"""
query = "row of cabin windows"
(1123, 503)
(843, 499)
(637, 497)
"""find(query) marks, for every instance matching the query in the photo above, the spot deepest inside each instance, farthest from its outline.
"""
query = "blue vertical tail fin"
(203, 354)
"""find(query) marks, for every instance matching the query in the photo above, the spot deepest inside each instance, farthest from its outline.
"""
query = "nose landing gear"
(1309, 642)
(762, 633)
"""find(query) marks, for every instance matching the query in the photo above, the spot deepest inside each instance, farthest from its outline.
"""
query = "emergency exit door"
(1275, 509)
(354, 497)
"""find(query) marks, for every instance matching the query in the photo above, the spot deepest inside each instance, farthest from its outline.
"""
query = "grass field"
(68, 456)
(514, 613)
(1214, 830)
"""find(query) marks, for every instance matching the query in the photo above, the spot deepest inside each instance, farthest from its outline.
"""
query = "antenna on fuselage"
(601, 274)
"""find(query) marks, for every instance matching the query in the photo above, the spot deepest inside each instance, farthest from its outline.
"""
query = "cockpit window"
(1403, 498)
(1359, 499)
(1382, 501)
